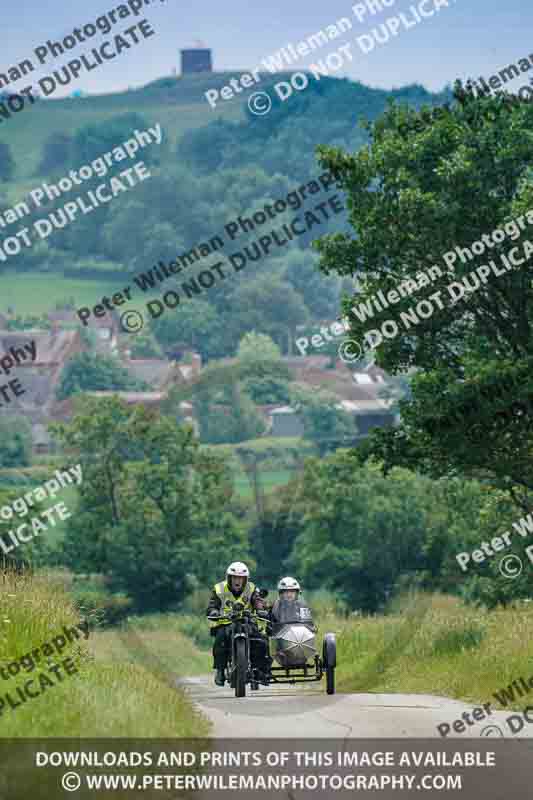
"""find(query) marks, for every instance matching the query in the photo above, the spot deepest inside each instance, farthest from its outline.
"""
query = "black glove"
(213, 615)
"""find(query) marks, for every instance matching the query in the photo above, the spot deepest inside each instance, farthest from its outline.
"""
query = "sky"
(472, 38)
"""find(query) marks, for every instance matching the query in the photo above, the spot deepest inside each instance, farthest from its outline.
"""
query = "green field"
(39, 292)
(36, 293)
(55, 531)
(269, 480)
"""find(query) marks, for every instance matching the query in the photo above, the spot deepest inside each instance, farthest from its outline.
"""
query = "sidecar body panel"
(293, 638)
(294, 645)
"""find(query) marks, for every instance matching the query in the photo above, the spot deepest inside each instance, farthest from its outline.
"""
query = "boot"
(265, 672)
(219, 677)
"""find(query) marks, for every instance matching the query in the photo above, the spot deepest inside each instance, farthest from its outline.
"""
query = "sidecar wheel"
(329, 659)
(330, 680)
(329, 650)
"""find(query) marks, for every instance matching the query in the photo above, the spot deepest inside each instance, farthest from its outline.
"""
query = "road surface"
(307, 711)
(301, 714)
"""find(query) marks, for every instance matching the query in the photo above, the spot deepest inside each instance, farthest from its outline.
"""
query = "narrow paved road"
(306, 711)
(303, 713)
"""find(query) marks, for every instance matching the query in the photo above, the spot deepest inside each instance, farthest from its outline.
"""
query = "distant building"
(286, 422)
(196, 60)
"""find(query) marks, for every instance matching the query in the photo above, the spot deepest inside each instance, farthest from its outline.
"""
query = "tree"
(415, 196)
(195, 325)
(398, 387)
(227, 415)
(364, 534)
(150, 513)
(273, 535)
(265, 391)
(57, 150)
(205, 146)
(87, 372)
(92, 140)
(276, 370)
(145, 346)
(319, 293)
(224, 412)
(130, 233)
(15, 442)
(257, 347)
(326, 425)
(7, 165)
(269, 305)
(489, 583)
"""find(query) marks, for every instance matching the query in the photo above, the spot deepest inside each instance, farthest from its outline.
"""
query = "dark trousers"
(222, 644)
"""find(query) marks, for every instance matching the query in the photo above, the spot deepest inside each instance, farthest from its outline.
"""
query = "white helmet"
(288, 583)
(239, 569)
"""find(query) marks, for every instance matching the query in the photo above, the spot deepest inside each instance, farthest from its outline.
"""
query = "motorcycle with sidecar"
(291, 637)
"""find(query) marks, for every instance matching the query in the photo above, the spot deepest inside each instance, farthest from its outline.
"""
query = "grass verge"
(112, 693)
(437, 646)
(161, 643)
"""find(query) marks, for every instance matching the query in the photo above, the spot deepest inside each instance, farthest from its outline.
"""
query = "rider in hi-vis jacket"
(237, 586)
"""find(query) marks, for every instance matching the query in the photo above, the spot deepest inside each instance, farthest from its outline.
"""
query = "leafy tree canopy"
(265, 391)
(257, 347)
(85, 372)
(7, 164)
(325, 424)
(414, 196)
(15, 442)
(93, 140)
(151, 504)
(364, 533)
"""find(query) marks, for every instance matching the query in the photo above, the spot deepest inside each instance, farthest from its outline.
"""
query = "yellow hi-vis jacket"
(226, 596)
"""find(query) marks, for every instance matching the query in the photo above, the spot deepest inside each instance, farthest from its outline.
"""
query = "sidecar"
(293, 646)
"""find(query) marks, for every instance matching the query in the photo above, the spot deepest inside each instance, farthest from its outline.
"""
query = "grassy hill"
(177, 103)
(179, 106)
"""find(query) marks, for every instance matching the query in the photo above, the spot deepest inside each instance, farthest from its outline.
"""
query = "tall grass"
(160, 643)
(435, 645)
(113, 694)
(326, 604)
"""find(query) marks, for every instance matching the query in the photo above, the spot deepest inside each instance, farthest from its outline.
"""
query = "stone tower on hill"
(196, 60)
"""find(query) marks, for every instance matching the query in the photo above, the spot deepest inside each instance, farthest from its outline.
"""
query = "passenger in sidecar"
(291, 630)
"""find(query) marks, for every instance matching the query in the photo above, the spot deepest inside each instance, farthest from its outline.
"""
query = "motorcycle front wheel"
(241, 668)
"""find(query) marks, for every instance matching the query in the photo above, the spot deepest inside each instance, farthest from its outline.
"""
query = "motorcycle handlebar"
(237, 613)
